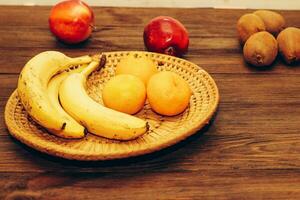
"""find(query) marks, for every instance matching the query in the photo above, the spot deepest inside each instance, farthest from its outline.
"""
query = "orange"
(142, 67)
(125, 93)
(168, 93)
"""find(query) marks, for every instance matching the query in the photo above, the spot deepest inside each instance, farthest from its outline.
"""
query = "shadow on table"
(279, 61)
(261, 68)
(123, 161)
(83, 44)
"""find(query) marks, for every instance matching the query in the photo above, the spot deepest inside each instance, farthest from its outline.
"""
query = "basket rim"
(76, 154)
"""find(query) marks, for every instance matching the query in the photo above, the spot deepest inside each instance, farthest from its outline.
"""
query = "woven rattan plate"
(163, 131)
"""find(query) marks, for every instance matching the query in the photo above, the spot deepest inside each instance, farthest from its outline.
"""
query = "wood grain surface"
(251, 150)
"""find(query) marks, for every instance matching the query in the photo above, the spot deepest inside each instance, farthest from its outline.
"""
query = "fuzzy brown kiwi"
(260, 49)
(289, 44)
(274, 22)
(247, 25)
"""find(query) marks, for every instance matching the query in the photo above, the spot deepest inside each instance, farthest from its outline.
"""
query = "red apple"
(166, 35)
(71, 21)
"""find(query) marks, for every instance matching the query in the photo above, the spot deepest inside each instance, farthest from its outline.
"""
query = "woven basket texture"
(163, 131)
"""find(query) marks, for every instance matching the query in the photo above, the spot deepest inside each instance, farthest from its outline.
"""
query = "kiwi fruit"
(289, 44)
(247, 25)
(260, 49)
(274, 22)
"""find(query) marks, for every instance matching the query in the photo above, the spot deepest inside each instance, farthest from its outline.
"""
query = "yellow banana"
(98, 119)
(32, 86)
(73, 129)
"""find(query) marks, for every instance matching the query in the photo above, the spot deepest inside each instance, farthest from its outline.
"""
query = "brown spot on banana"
(85, 131)
(63, 126)
(147, 126)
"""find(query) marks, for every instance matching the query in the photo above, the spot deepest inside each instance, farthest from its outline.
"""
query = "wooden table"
(250, 151)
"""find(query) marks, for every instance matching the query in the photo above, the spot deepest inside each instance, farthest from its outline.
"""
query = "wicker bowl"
(163, 131)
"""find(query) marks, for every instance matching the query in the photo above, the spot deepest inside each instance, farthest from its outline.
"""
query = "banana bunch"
(72, 129)
(55, 97)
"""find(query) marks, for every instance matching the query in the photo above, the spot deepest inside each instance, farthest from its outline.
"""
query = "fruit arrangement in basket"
(52, 89)
(59, 98)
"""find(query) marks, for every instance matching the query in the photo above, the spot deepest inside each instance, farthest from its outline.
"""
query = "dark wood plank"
(118, 16)
(244, 184)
